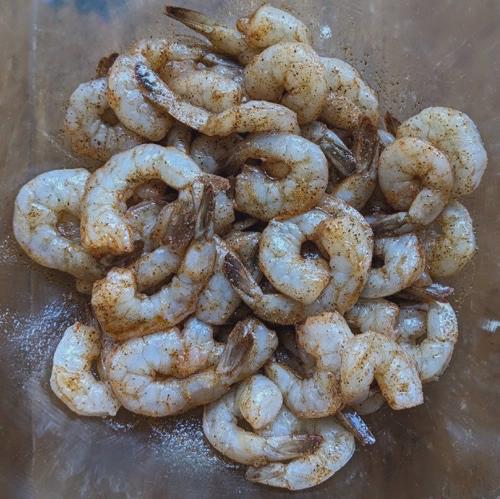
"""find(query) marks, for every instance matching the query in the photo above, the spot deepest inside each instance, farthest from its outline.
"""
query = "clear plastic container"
(416, 54)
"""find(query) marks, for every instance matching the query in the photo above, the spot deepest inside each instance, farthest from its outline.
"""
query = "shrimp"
(40, 206)
(457, 136)
(220, 426)
(433, 354)
(374, 355)
(415, 176)
(299, 170)
(170, 372)
(385, 138)
(377, 315)
(249, 117)
(411, 323)
(259, 400)
(334, 451)
(180, 137)
(289, 73)
(89, 134)
(72, 380)
(404, 261)
(218, 301)
(318, 395)
(142, 217)
(449, 251)
(123, 312)
(349, 98)
(211, 153)
(104, 229)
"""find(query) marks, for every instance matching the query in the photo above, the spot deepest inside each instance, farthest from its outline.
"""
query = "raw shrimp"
(72, 379)
(289, 73)
(259, 400)
(447, 252)
(385, 138)
(39, 206)
(211, 153)
(142, 217)
(180, 137)
(456, 135)
(349, 98)
(299, 175)
(318, 395)
(104, 228)
(249, 117)
(433, 354)
(123, 312)
(334, 451)
(404, 261)
(371, 356)
(165, 374)
(411, 323)
(88, 133)
(218, 301)
(220, 426)
(377, 315)
(415, 176)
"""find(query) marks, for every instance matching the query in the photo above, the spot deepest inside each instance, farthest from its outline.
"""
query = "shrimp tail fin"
(366, 144)
(354, 423)
(266, 473)
(192, 19)
(239, 277)
(391, 123)
(292, 446)
(153, 87)
(395, 224)
(339, 155)
(104, 65)
(179, 231)
(204, 225)
(239, 344)
(434, 292)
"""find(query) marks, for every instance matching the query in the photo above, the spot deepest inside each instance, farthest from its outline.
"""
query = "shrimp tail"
(238, 346)
(391, 123)
(366, 144)
(239, 277)
(192, 19)
(354, 423)
(289, 447)
(204, 225)
(395, 224)
(153, 88)
(104, 65)
(339, 155)
(433, 292)
(180, 229)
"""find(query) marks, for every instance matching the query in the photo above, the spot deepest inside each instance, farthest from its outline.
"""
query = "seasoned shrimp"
(289, 73)
(88, 133)
(180, 137)
(433, 354)
(415, 176)
(334, 451)
(218, 301)
(211, 153)
(449, 251)
(72, 379)
(249, 117)
(142, 217)
(411, 323)
(220, 426)
(165, 374)
(299, 175)
(456, 135)
(104, 228)
(349, 98)
(259, 400)
(38, 209)
(404, 261)
(371, 356)
(377, 315)
(123, 312)
(318, 395)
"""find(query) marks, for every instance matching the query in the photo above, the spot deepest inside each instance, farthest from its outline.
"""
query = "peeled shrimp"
(88, 133)
(318, 395)
(193, 370)
(433, 354)
(104, 229)
(335, 449)
(299, 169)
(457, 136)
(371, 356)
(449, 251)
(411, 323)
(290, 73)
(349, 98)
(37, 211)
(180, 137)
(415, 176)
(72, 379)
(404, 261)
(211, 153)
(377, 315)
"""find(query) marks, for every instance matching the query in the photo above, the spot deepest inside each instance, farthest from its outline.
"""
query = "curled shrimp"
(317, 395)
(289, 73)
(449, 251)
(40, 206)
(404, 261)
(124, 312)
(249, 117)
(72, 380)
(299, 170)
(457, 136)
(417, 177)
(88, 133)
(171, 372)
(371, 356)
(335, 449)
(211, 153)
(433, 354)
(349, 98)
(377, 315)
(411, 323)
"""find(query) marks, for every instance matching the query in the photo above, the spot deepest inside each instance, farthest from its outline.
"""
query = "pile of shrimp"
(255, 243)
